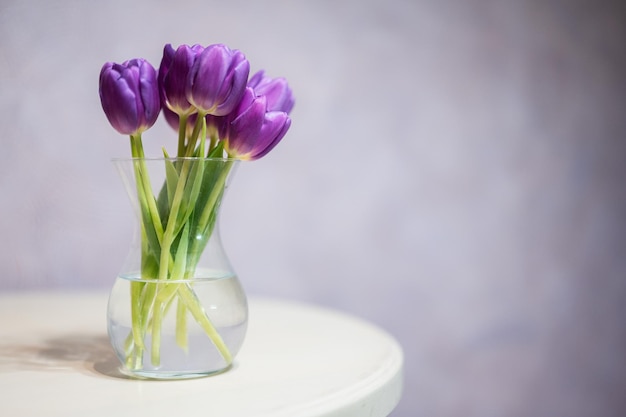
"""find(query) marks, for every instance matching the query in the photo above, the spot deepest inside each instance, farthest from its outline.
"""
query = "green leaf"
(180, 262)
(192, 191)
(171, 179)
(193, 185)
(218, 151)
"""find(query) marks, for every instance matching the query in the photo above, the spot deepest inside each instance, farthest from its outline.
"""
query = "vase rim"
(173, 158)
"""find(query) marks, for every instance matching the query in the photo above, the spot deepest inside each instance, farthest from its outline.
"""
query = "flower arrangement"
(219, 112)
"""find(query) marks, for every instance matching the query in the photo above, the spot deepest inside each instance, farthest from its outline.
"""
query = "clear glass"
(182, 312)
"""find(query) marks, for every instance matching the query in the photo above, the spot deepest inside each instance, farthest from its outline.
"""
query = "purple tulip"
(276, 90)
(129, 95)
(252, 131)
(173, 76)
(217, 80)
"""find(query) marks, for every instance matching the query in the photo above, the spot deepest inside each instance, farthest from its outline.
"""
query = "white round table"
(298, 360)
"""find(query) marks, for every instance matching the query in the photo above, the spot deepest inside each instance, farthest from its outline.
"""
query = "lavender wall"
(454, 174)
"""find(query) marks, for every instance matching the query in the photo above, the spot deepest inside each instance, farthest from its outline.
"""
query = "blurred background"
(454, 174)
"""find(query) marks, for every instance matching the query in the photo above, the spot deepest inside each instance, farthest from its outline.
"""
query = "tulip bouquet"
(219, 112)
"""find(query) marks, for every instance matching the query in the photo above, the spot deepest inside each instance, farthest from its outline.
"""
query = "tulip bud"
(173, 75)
(276, 90)
(129, 95)
(252, 131)
(217, 80)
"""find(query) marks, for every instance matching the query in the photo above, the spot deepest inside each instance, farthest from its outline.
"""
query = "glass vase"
(177, 308)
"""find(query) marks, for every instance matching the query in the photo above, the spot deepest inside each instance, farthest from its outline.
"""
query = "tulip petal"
(206, 77)
(175, 74)
(275, 126)
(277, 91)
(217, 80)
(149, 94)
(244, 129)
(118, 101)
(233, 87)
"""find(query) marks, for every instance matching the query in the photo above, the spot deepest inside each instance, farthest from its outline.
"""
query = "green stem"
(182, 133)
(164, 297)
(168, 236)
(181, 325)
(193, 138)
(202, 139)
(151, 226)
(136, 316)
(188, 296)
(166, 293)
(144, 186)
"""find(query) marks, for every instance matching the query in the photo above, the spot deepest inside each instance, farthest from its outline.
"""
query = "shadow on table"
(92, 354)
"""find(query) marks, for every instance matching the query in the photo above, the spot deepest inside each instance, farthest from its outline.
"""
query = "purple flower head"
(252, 131)
(129, 95)
(277, 91)
(173, 76)
(217, 80)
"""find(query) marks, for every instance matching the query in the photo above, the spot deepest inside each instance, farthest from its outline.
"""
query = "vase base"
(170, 375)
